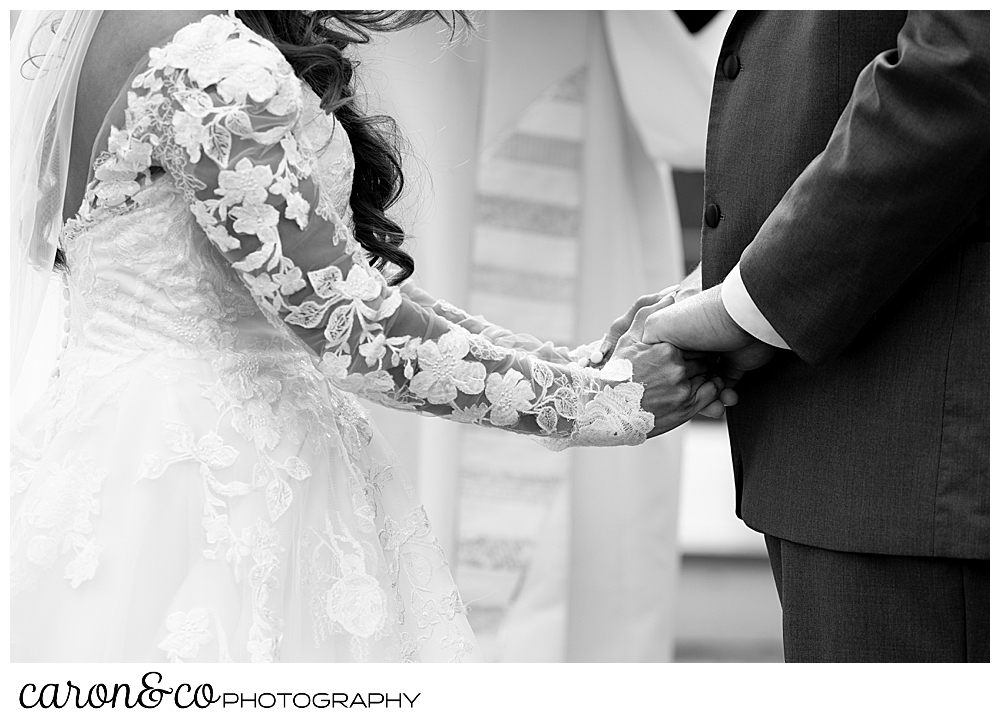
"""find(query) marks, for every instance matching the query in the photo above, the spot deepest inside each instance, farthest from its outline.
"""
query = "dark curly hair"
(313, 42)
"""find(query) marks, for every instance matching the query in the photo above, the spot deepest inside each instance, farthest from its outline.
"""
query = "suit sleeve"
(905, 171)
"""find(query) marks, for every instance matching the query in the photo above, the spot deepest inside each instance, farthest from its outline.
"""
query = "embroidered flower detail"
(254, 77)
(289, 280)
(373, 351)
(474, 414)
(84, 565)
(209, 451)
(510, 394)
(130, 152)
(216, 529)
(288, 97)
(357, 603)
(190, 133)
(362, 284)
(297, 209)
(297, 469)
(221, 238)
(258, 423)
(114, 187)
(335, 366)
(264, 290)
(187, 632)
(202, 49)
(444, 371)
(262, 642)
(254, 218)
(247, 183)
(614, 417)
(62, 507)
(379, 382)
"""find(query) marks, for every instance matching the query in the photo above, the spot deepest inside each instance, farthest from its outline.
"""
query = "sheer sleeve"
(217, 107)
(544, 350)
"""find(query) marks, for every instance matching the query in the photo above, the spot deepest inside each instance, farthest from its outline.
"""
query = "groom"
(845, 259)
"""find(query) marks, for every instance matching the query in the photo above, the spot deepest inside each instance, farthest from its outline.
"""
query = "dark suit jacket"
(848, 158)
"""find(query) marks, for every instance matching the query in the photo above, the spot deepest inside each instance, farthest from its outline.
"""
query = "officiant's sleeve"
(905, 172)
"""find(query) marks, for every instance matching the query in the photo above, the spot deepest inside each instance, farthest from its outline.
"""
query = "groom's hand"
(702, 322)
(597, 353)
(676, 387)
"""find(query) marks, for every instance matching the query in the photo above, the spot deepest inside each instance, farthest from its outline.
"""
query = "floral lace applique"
(56, 520)
(265, 629)
(413, 551)
(347, 598)
(186, 633)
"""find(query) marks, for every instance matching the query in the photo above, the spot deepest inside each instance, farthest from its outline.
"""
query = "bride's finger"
(707, 394)
(715, 410)
(620, 325)
(663, 302)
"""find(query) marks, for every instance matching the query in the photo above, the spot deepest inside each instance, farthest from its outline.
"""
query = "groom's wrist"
(744, 312)
(730, 334)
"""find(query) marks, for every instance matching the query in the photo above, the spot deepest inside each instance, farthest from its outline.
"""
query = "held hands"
(597, 353)
(702, 322)
(676, 384)
(680, 384)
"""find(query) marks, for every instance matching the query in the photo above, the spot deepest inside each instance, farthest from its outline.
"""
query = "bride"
(199, 482)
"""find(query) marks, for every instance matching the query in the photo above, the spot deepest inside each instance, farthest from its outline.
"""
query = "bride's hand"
(677, 384)
(596, 353)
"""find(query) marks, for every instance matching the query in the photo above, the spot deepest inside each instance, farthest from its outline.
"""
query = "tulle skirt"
(225, 508)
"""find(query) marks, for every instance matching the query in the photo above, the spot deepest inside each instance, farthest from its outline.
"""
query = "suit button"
(731, 66)
(712, 215)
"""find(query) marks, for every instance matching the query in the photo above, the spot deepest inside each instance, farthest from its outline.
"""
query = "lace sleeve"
(217, 108)
(544, 350)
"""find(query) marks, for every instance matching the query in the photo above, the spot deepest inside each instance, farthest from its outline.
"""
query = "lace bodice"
(214, 137)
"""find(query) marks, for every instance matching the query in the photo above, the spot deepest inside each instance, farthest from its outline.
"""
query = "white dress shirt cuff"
(744, 311)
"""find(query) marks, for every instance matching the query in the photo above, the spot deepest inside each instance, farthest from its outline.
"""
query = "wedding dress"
(199, 482)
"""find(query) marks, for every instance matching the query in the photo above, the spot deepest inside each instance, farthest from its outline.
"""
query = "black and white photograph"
(505, 336)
